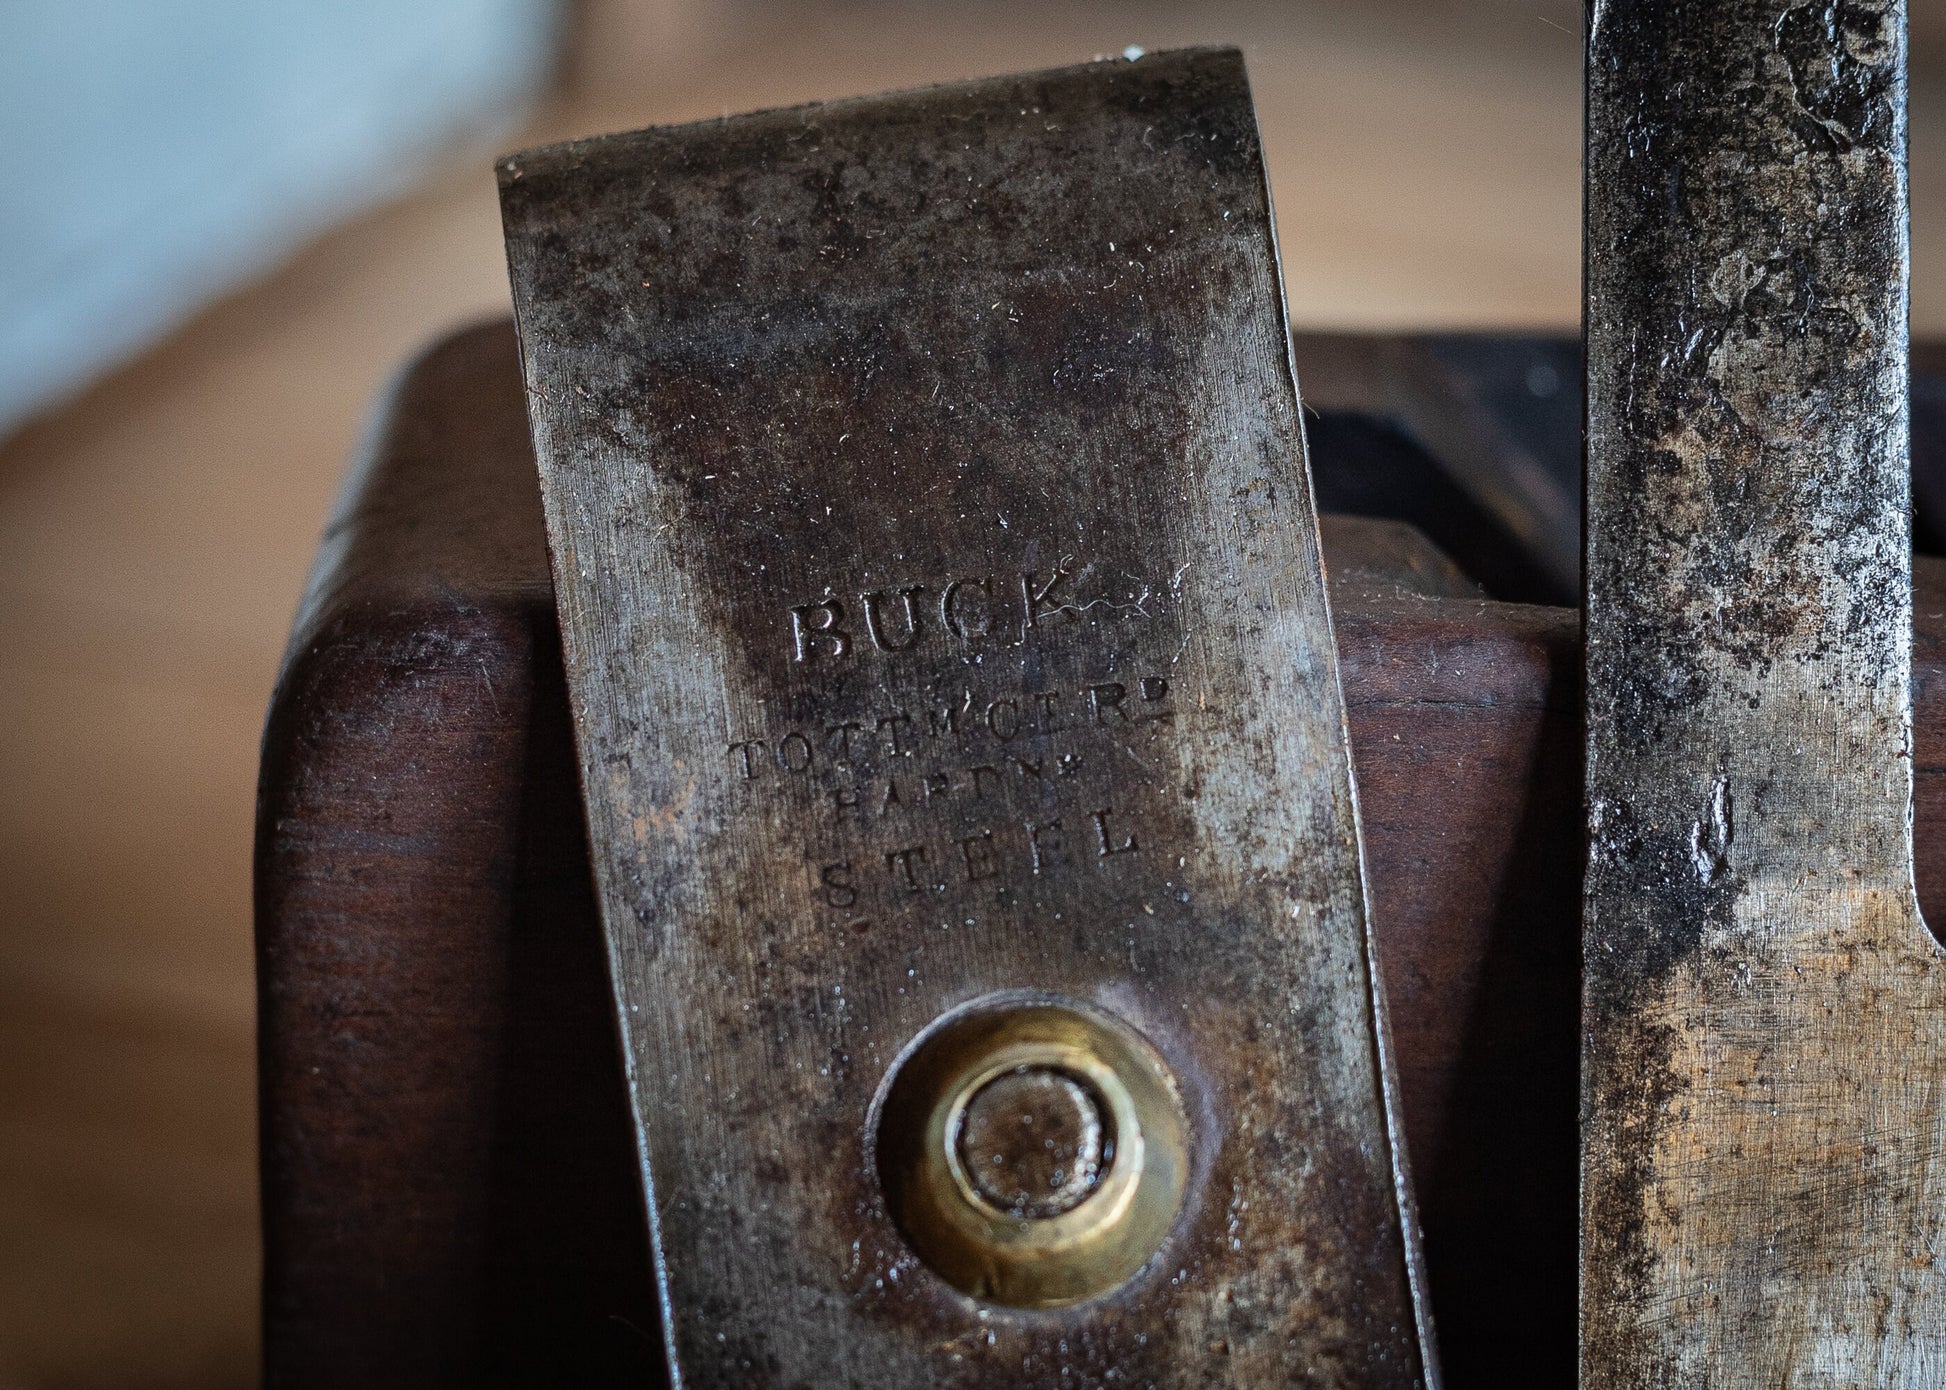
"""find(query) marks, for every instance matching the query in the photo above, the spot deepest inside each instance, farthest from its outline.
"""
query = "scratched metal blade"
(1765, 1013)
(944, 618)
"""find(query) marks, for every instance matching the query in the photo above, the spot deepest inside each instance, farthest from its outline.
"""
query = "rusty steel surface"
(944, 618)
(1764, 1011)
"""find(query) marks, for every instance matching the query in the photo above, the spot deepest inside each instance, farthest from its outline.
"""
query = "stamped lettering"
(1008, 608)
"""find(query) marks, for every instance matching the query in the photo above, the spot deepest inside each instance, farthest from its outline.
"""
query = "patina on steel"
(1764, 1068)
(944, 623)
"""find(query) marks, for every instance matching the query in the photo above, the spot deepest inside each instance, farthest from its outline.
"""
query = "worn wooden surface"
(447, 1174)
(1764, 1146)
(938, 636)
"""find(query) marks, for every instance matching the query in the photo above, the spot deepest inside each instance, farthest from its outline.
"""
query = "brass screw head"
(1033, 1151)
(1034, 1141)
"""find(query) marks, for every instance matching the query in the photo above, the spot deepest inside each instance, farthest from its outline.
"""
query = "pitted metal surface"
(1764, 1012)
(944, 619)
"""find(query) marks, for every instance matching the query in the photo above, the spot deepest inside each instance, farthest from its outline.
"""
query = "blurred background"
(223, 224)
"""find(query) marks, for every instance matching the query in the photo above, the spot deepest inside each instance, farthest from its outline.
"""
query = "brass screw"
(1034, 1142)
(1033, 1150)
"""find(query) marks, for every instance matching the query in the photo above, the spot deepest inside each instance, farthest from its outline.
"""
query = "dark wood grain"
(449, 1195)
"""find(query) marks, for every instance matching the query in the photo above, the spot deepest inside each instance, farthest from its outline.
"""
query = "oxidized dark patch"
(1748, 637)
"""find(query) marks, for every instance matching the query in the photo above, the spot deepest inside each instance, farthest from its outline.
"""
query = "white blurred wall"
(155, 153)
